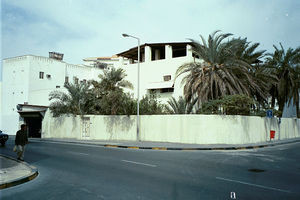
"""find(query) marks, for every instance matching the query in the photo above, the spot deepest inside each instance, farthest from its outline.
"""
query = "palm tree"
(263, 76)
(287, 66)
(224, 69)
(179, 107)
(247, 52)
(109, 91)
(113, 79)
(76, 100)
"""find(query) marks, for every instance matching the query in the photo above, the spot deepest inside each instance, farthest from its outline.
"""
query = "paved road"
(70, 171)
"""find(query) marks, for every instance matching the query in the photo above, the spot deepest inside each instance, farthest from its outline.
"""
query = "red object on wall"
(272, 134)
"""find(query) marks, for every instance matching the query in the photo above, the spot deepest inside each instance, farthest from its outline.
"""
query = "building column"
(189, 52)
(168, 51)
(157, 54)
(121, 61)
(147, 53)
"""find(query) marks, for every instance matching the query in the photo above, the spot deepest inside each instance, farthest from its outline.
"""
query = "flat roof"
(100, 58)
(30, 105)
(18, 56)
(132, 53)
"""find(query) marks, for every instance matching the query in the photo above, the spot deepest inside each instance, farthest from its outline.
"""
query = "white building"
(158, 66)
(103, 62)
(27, 82)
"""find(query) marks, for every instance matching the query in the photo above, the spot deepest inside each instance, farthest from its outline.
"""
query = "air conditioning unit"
(56, 56)
(167, 78)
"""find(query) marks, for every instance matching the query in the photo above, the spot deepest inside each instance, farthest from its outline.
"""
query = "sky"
(93, 28)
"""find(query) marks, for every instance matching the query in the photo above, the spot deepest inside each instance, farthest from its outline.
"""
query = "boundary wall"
(191, 129)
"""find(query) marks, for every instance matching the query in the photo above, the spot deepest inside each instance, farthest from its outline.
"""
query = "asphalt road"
(72, 171)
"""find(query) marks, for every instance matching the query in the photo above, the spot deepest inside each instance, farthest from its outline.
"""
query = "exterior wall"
(39, 89)
(82, 72)
(15, 89)
(99, 127)
(21, 83)
(193, 129)
(207, 129)
(109, 61)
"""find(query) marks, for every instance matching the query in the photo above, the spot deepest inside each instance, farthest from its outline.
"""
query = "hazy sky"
(87, 28)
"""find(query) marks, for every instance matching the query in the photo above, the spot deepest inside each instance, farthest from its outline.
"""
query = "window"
(57, 86)
(158, 53)
(41, 75)
(179, 51)
(101, 65)
(66, 79)
(165, 90)
(167, 78)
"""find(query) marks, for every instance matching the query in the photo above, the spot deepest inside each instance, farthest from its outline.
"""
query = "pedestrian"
(20, 142)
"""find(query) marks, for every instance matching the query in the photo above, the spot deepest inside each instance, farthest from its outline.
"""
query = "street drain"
(256, 170)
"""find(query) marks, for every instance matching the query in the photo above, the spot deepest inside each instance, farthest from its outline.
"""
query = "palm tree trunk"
(281, 107)
(272, 102)
(297, 108)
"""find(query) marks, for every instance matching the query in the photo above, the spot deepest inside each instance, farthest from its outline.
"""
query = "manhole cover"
(256, 170)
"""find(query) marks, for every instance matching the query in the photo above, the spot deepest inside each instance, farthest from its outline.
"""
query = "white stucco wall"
(193, 129)
(39, 89)
(82, 72)
(206, 129)
(100, 127)
(15, 89)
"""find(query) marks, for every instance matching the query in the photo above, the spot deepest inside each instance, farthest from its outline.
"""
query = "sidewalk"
(167, 145)
(14, 172)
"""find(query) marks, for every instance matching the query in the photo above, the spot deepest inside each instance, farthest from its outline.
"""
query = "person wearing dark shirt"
(20, 142)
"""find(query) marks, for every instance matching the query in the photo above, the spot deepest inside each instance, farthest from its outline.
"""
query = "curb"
(189, 149)
(34, 173)
(178, 148)
(203, 148)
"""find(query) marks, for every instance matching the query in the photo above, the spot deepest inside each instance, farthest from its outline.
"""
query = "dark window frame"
(41, 75)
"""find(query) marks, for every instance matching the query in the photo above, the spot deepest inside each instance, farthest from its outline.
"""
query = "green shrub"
(229, 105)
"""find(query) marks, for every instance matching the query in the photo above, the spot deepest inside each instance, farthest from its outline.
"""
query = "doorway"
(34, 125)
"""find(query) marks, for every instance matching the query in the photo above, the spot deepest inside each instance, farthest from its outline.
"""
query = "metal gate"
(85, 128)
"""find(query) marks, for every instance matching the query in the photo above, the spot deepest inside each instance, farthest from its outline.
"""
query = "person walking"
(20, 141)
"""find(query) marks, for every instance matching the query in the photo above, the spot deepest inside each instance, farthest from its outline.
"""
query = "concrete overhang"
(26, 110)
(160, 85)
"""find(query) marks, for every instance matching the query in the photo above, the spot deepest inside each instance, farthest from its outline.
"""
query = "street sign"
(269, 113)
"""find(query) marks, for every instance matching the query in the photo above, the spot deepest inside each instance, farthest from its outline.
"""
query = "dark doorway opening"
(34, 125)
(33, 120)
